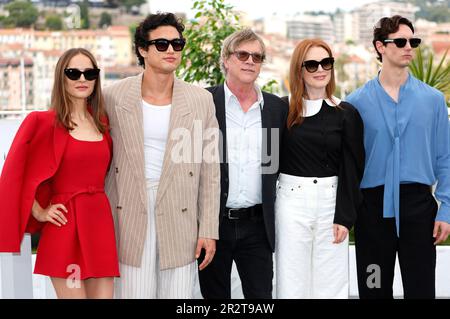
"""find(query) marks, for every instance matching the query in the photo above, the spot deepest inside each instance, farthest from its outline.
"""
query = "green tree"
(215, 20)
(22, 14)
(105, 20)
(423, 67)
(84, 14)
(53, 22)
(271, 86)
(349, 42)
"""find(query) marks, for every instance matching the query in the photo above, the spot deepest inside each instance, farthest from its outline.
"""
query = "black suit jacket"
(274, 116)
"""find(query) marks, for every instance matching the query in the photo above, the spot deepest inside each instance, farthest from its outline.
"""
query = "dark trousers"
(377, 244)
(245, 242)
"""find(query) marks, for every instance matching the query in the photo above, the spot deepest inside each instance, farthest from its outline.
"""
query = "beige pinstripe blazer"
(187, 203)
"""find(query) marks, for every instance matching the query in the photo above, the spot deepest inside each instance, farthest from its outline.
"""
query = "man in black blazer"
(251, 124)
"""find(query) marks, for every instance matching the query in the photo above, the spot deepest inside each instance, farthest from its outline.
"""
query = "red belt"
(88, 190)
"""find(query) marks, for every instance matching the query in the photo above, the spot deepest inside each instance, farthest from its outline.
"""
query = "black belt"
(243, 213)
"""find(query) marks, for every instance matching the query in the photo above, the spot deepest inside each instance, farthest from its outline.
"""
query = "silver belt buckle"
(229, 211)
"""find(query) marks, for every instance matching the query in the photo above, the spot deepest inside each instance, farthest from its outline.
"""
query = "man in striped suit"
(163, 184)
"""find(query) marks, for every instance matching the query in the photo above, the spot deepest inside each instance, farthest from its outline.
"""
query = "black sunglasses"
(312, 65)
(401, 42)
(75, 74)
(243, 56)
(163, 44)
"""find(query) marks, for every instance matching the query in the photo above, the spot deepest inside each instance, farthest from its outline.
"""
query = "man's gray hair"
(234, 40)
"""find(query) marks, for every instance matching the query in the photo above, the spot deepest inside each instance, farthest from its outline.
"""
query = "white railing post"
(16, 280)
(15, 269)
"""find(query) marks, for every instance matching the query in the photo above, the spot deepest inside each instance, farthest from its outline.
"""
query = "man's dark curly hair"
(150, 23)
(386, 26)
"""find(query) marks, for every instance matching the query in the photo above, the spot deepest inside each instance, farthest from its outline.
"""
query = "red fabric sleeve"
(11, 186)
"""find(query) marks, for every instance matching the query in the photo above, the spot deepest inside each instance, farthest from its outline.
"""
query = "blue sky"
(261, 8)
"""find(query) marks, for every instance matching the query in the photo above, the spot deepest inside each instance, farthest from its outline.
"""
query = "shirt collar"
(229, 94)
(336, 100)
(404, 86)
(328, 101)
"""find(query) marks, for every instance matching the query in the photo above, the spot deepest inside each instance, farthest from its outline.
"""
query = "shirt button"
(191, 174)
(315, 181)
(184, 210)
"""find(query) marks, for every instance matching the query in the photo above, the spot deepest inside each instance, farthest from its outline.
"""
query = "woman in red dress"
(53, 181)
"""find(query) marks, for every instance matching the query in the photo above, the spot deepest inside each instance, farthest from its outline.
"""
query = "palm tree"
(438, 77)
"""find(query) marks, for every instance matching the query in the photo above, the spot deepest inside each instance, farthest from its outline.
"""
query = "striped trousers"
(148, 281)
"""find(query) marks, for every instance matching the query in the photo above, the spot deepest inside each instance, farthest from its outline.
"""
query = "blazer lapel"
(219, 102)
(130, 118)
(180, 117)
(266, 124)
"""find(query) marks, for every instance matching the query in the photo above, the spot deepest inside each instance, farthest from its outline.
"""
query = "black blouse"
(329, 143)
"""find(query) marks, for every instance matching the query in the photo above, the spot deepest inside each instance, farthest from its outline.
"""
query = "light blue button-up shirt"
(405, 141)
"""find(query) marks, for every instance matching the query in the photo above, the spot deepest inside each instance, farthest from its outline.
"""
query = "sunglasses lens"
(178, 44)
(400, 42)
(327, 63)
(311, 66)
(414, 42)
(162, 45)
(242, 55)
(257, 58)
(91, 74)
(73, 74)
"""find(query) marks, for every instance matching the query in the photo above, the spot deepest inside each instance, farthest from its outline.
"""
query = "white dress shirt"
(244, 148)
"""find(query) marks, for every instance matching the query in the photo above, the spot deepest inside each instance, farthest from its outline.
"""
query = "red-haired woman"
(53, 180)
(322, 160)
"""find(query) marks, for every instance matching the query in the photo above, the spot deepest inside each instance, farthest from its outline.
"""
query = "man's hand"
(210, 249)
(441, 232)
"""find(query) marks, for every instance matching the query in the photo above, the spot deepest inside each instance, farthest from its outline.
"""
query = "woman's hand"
(340, 233)
(53, 214)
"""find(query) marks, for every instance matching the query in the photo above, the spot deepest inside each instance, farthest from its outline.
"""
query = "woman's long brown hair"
(61, 102)
(296, 83)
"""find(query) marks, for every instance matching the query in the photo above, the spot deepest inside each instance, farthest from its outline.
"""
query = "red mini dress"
(85, 247)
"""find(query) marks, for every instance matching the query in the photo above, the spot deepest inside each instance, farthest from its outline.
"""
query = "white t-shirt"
(156, 129)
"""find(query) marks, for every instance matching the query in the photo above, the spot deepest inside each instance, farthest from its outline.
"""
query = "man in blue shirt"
(407, 151)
